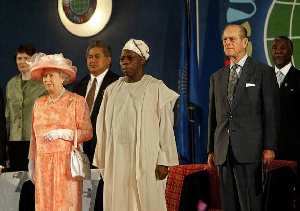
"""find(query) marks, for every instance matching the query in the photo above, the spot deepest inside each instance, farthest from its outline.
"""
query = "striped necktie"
(233, 78)
(280, 77)
(91, 95)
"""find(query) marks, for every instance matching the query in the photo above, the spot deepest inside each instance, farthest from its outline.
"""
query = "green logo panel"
(284, 20)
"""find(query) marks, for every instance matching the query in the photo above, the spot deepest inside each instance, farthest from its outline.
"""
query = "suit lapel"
(106, 81)
(83, 86)
(224, 84)
(245, 76)
(288, 79)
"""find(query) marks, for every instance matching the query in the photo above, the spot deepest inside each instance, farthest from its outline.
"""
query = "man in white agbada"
(136, 142)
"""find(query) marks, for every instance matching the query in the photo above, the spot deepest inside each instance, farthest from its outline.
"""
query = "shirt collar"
(285, 69)
(99, 77)
(241, 62)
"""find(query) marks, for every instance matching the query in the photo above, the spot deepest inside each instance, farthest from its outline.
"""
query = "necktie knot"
(234, 67)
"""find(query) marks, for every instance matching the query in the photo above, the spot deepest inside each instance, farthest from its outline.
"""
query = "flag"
(183, 135)
(187, 127)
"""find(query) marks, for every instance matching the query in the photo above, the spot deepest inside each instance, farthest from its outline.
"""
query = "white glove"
(65, 134)
(31, 170)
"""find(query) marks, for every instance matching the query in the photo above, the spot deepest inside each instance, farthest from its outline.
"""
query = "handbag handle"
(75, 142)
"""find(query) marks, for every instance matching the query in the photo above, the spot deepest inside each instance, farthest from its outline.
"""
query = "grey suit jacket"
(252, 123)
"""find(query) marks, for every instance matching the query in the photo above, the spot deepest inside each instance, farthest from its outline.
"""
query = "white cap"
(138, 46)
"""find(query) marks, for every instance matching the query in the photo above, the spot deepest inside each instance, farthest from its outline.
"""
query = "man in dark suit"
(92, 87)
(98, 56)
(242, 123)
(288, 78)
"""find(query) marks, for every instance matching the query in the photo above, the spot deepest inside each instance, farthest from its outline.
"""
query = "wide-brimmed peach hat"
(40, 61)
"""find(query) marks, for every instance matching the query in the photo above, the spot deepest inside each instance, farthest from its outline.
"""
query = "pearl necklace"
(57, 98)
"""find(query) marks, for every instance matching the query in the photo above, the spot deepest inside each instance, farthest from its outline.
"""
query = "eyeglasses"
(128, 58)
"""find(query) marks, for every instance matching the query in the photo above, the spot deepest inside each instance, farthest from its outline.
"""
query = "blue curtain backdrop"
(212, 60)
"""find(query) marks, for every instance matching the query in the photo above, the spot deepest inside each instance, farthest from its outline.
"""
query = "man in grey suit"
(242, 123)
(288, 78)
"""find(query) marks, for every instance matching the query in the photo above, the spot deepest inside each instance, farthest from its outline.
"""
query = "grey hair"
(100, 44)
(64, 76)
(243, 30)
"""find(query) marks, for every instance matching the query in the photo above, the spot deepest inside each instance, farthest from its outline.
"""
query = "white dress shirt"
(284, 70)
(240, 65)
(98, 84)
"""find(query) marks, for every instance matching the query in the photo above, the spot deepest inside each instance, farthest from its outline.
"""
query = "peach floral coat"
(55, 189)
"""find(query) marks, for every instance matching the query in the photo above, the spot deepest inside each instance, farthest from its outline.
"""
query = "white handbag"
(80, 164)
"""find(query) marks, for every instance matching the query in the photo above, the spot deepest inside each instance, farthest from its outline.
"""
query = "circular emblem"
(84, 18)
(79, 11)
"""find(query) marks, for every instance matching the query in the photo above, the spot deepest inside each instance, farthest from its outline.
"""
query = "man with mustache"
(136, 142)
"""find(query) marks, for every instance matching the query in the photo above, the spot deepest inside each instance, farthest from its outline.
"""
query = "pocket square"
(249, 84)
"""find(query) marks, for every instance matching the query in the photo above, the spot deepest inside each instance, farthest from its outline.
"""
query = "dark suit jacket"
(253, 121)
(289, 141)
(80, 88)
(3, 133)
